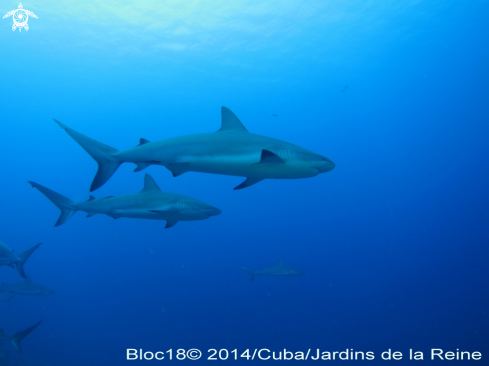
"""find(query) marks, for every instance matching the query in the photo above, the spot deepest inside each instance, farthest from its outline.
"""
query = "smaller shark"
(150, 203)
(345, 88)
(25, 288)
(17, 337)
(8, 257)
(279, 270)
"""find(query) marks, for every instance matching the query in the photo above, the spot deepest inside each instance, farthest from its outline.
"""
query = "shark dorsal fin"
(91, 198)
(149, 184)
(143, 142)
(229, 122)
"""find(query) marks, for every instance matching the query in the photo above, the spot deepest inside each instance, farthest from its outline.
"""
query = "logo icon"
(20, 17)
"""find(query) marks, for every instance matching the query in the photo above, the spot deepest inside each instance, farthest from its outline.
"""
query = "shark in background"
(280, 270)
(232, 150)
(151, 203)
(8, 257)
(17, 337)
(28, 287)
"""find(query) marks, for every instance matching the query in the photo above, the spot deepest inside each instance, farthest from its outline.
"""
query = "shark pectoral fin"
(141, 166)
(143, 142)
(170, 223)
(177, 169)
(248, 182)
(268, 157)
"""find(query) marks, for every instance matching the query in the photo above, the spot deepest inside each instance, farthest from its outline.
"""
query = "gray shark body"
(150, 203)
(10, 259)
(17, 337)
(232, 150)
(279, 270)
(27, 287)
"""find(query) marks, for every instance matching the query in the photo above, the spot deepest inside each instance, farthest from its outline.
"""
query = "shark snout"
(325, 166)
(213, 211)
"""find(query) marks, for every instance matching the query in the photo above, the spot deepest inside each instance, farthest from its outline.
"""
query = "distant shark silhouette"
(150, 203)
(232, 150)
(279, 270)
(8, 257)
(17, 337)
(26, 288)
(345, 88)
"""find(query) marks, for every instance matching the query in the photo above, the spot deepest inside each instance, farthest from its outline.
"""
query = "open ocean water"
(393, 241)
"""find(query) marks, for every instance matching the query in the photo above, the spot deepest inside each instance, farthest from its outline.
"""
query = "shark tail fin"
(17, 337)
(101, 153)
(67, 206)
(23, 258)
(251, 272)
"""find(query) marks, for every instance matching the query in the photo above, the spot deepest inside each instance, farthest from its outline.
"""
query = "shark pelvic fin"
(170, 223)
(229, 122)
(149, 184)
(177, 169)
(90, 214)
(248, 182)
(143, 142)
(18, 337)
(268, 157)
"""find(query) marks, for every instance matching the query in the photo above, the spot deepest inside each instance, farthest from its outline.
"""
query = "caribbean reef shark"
(150, 203)
(17, 337)
(8, 257)
(26, 288)
(232, 150)
(279, 270)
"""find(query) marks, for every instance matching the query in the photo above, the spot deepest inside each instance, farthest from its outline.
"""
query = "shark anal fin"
(268, 157)
(170, 223)
(248, 182)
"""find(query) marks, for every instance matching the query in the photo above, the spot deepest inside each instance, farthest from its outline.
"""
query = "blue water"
(393, 240)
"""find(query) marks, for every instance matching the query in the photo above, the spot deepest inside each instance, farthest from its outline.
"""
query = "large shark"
(8, 257)
(26, 288)
(232, 150)
(17, 337)
(279, 270)
(150, 203)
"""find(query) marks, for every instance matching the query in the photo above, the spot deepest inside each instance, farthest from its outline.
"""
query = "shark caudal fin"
(23, 258)
(17, 337)
(67, 206)
(103, 155)
(251, 272)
